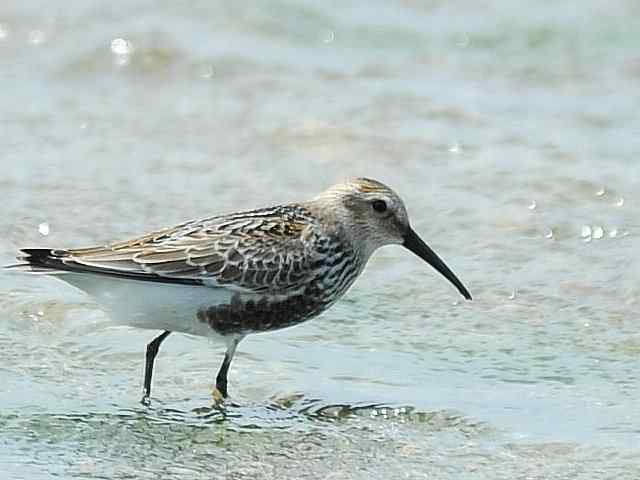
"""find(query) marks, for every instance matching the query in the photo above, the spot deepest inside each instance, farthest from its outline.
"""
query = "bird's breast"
(334, 272)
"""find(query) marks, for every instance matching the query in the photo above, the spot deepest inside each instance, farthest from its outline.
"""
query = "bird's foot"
(218, 397)
(146, 399)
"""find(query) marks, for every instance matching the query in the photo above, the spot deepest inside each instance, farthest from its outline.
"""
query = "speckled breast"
(244, 315)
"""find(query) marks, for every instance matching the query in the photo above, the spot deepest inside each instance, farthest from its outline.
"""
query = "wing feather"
(259, 250)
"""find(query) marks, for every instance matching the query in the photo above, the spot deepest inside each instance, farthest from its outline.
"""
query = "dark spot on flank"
(230, 273)
(234, 256)
(270, 276)
(260, 276)
(296, 268)
(282, 276)
(249, 277)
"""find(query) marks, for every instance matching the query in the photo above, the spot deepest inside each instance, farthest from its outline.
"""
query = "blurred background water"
(510, 128)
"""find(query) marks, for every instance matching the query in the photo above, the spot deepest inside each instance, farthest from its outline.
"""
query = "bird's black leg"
(221, 378)
(152, 351)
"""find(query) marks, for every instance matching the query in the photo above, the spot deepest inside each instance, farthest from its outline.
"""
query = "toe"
(217, 395)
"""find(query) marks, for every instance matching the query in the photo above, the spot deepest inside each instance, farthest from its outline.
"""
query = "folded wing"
(259, 250)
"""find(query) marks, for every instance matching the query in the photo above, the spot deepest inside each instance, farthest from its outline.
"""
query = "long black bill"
(414, 243)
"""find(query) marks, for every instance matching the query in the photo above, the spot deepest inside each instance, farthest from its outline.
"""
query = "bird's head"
(372, 215)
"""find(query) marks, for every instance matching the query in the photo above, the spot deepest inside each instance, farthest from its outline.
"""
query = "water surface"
(511, 132)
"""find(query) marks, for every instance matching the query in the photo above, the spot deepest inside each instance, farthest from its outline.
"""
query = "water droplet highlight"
(121, 50)
(36, 316)
(455, 148)
(549, 234)
(463, 41)
(533, 205)
(598, 233)
(620, 202)
(4, 31)
(43, 229)
(512, 295)
(601, 192)
(328, 36)
(120, 46)
(36, 37)
(585, 233)
(207, 72)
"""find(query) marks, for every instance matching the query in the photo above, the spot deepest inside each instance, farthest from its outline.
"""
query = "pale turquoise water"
(511, 130)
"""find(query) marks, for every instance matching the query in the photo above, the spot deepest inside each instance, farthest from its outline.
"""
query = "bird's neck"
(334, 221)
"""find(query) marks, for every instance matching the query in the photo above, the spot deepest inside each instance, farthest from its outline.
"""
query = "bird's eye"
(379, 206)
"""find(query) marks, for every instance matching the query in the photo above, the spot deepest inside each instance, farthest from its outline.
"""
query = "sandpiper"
(227, 276)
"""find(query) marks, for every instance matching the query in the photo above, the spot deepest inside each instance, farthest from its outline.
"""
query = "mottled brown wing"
(259, 250)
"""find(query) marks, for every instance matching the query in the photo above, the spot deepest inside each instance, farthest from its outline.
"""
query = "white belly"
(152, 305)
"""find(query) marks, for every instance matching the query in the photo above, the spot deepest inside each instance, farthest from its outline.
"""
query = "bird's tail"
(39, 260)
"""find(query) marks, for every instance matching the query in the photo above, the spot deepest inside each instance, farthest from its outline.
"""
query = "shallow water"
(512, 134)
